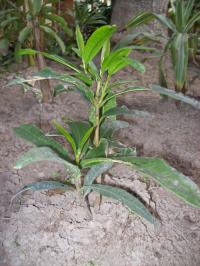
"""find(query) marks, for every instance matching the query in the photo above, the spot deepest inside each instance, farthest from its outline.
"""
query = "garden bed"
(44, 228)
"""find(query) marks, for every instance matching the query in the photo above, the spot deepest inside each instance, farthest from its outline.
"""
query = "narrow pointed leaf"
(35, 136)
(125, 198)
(54, 35)
(66, 134)
(168, 177)
(93, 173)
(177, 96)
(79, 40)
(47, 185)
(55, 58)
(40, 154)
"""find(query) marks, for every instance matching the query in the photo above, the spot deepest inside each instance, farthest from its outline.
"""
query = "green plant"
(92, 146)
(180, 26)
(90, 15)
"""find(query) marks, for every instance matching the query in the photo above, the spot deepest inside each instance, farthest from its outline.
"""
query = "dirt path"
(51, 229)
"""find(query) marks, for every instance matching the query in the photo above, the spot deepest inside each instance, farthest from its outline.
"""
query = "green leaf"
(96, 41)
(136, 65)
(119, 149)
(129, 89)
(125, 198)
(93, 173)
(145, 17)
(167, 177)
(192, 21)
(140, 19)
(78, 130)
(119, 63)
(55, 58)
(58, 89)
(114, 57)
(24, 34)
(99, 151)
(40, 154)
(182, 56)
(34, 135)
(85, 139)
(110, 104)
(177, 96)
(66, 134)
(79, 40)
(54, 35)
(105, 50)
(43, 185)
(123, 110)
(109, 127)
(61, 22)
(36, 7)
(47, 185)
(118, 83)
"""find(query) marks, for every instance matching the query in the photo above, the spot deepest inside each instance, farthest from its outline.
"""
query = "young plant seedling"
(91, 141)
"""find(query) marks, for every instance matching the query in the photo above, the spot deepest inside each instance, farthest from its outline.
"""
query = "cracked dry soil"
(54, 229)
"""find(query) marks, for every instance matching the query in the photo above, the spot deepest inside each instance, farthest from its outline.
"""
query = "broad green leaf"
(54, 35)
(177, 96)
(93, 173)
(34, 135)
(168, 177)
(79, 40)
(66, 134)
(96, 41)
(40, 154)
(55, 58)
(125, 198)
(24, 34)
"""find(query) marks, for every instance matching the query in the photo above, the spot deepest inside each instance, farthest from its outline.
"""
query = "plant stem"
(97, 115)
(96, 134)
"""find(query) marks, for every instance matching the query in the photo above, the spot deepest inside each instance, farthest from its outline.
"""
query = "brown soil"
(44, 229)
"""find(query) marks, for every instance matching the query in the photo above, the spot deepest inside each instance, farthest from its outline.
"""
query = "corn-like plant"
(93, 151)
(180, 26)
